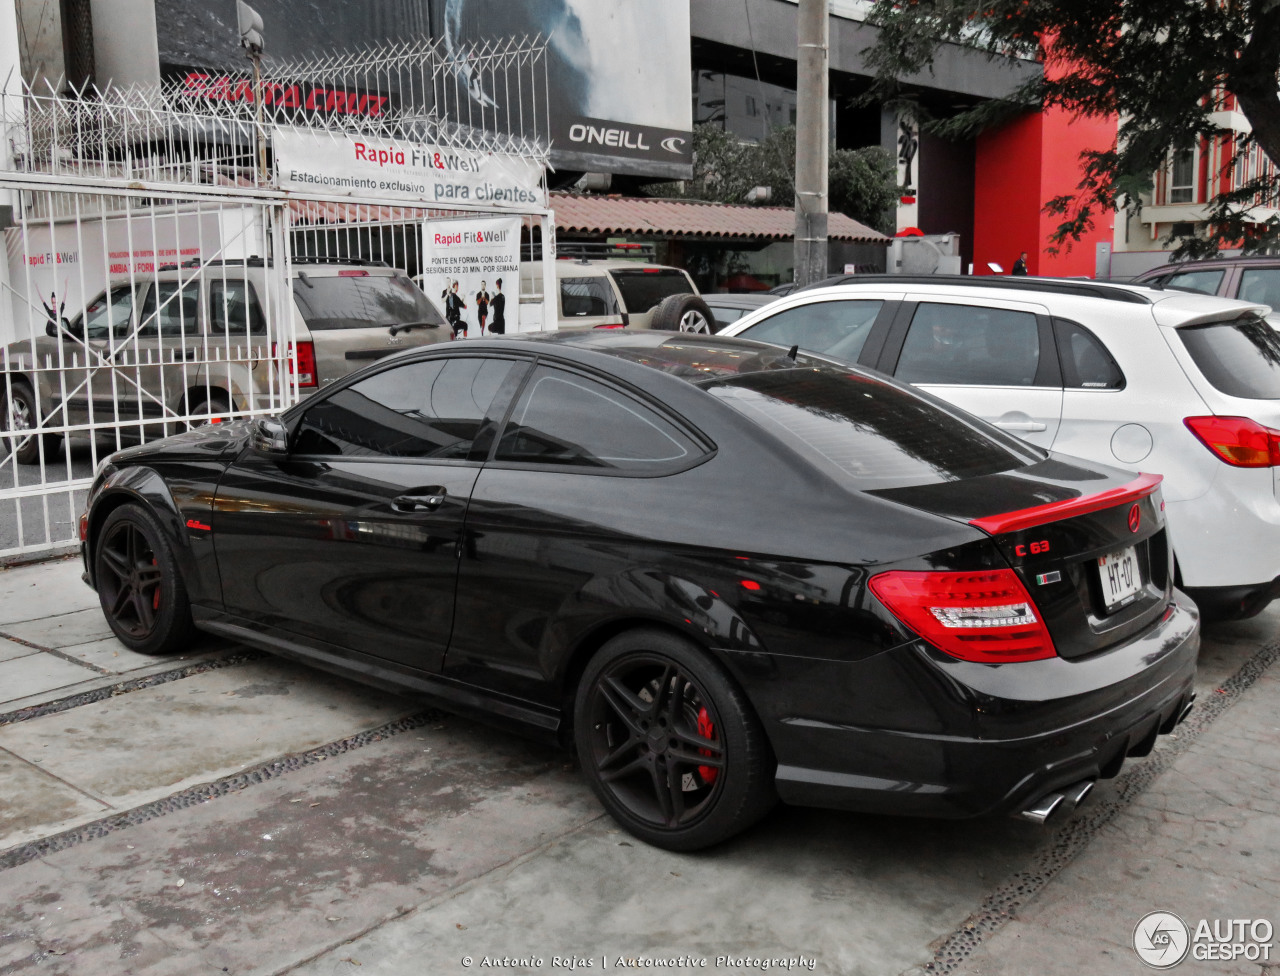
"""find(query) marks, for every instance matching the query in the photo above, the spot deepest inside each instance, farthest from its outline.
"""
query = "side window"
(1261, 285)
(564, 418)
(109, 313)
(234, 308)
(838, 328)
(431, 409)
(1086, 364)
(968, 344)
(1206, 282)
(177, 314)
(587, 296)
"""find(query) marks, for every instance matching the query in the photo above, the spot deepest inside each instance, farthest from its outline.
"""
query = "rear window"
(864, 432)
(586, 296)
(642, 290)
(1240, 358)
(357, 300)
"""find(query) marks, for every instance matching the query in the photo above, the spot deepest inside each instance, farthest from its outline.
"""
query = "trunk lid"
(356, 316)
(1089, 545)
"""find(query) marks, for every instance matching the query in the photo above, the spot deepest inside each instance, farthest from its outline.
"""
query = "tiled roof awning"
(583, 214)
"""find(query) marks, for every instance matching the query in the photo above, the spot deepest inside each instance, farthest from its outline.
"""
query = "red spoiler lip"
(1026, 518)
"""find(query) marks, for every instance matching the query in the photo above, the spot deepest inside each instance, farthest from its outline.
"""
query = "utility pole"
(812, 141)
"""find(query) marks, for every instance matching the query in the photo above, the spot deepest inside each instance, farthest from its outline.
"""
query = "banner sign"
(424, 174)
(471, 272)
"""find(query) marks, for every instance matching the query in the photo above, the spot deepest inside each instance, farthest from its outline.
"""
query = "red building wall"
(1021, 166)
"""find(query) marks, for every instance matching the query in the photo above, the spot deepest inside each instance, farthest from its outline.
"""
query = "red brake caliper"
(706, 729)
(155, 600)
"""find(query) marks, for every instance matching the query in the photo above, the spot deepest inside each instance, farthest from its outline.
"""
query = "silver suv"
(192, 342)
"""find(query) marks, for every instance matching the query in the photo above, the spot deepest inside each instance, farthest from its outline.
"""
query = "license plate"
(1120, 579)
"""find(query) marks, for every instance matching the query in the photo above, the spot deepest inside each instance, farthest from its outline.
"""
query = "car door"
(1095, 411)
(996, 359)
(152, 363)
(353, 540)
(91, 394)
(578, 460)
(841, 327)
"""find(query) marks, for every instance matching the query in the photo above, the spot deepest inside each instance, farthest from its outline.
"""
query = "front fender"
(181, 518)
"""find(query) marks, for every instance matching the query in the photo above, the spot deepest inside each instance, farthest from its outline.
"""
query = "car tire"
(669, 743)
(683, 313)
(215, 404)
(21, 411)
(139, 585)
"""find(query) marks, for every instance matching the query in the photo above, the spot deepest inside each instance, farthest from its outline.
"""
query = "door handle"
(1029, 426)
(420, 500)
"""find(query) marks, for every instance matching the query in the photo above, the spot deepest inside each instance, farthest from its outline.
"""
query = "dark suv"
(1252, 279)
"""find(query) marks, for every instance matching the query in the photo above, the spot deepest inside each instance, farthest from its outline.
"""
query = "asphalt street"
(225, 811)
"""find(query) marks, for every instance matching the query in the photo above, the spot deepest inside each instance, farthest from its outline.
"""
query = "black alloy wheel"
(138, 583)
(670, 745)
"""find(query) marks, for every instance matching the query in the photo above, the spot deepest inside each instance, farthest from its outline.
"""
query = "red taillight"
(302, 360)
(353, 274)
(84, 526)
(611, 325)
(1241, 442)
(986, 616)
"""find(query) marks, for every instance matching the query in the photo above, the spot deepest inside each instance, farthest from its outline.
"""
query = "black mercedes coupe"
(723, 573)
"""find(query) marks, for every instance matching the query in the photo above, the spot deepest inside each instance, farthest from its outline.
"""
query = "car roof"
(567, 267)
(1209, 264)
(747, 300)
(1172, 308)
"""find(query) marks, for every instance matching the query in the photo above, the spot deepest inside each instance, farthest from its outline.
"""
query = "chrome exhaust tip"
(1042, 809)
(1076, 794)
(1182, 716)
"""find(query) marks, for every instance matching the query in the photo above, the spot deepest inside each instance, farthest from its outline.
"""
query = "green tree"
(1160, 65)
(862, 182)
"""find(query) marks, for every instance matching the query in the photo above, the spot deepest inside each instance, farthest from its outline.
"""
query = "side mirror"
(269, 436)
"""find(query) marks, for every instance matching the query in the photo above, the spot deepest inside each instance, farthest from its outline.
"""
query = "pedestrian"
(482, 306)
(1020, 265)
(453, 307)
(498, 306)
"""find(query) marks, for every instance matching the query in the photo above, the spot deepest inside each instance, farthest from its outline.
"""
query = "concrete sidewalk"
(232, 812)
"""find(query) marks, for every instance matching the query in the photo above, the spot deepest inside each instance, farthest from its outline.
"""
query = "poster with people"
(471, 272)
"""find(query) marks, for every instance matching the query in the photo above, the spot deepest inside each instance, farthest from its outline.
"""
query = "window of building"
(1182, 176)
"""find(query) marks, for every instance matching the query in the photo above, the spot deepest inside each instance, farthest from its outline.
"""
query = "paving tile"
(12, 649)
(36, 673)
(61, 630)
(43, 589)
(33, 797)
(138, 746)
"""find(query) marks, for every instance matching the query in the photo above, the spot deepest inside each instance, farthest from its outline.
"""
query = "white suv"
(1178, 384)
(617, 294)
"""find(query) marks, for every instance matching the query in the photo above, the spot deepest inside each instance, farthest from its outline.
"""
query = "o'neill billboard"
(618, 75)
(347, 165)
(618, 71)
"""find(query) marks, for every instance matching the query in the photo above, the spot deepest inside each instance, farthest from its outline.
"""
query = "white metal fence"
(147, 281)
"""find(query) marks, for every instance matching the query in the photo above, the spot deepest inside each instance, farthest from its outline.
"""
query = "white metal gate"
(149, 256)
